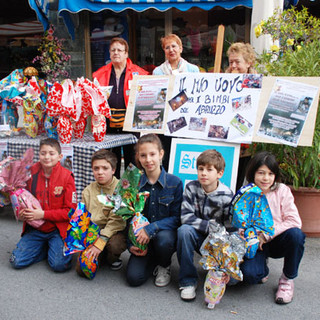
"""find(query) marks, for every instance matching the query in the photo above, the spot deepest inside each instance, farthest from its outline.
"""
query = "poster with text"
(287, 110)
(184, 154)
(212, 106)
(149, 105)
(67, 159)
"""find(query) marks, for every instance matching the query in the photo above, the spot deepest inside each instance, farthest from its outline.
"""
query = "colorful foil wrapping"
(222, 253)
(128, 202)
(250, 209)
(81, 235)
(13, 177)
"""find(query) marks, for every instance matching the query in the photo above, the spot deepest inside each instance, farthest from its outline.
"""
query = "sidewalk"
(38, 293)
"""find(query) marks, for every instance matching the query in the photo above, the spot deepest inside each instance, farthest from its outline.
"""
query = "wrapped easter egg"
(22, 198)
(214, 287)
(64, 129)
(79, 127)
(99, 127)
(252, 242)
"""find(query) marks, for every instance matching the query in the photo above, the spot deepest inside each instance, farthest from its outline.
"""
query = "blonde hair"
(247, 52)
(172, 37)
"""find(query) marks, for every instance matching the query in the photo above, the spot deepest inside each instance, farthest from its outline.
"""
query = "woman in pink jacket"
(288, 239)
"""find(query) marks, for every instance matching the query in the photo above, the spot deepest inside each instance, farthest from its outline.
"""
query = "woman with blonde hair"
(174, 64)
(241, 58)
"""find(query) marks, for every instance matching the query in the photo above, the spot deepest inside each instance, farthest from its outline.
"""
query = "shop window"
(197, 29)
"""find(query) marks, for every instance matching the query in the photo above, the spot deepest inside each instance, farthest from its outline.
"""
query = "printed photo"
(241, 103)
(197, 124)
(252, 81)
(304, 105)
(177, 101)
(176, 124)
(161, 98)
(219, 132)
(241, 124)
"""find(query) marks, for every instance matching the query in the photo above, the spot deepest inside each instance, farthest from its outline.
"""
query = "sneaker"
(188, 293)
(285, 291)
(117, 265)
(163, 276)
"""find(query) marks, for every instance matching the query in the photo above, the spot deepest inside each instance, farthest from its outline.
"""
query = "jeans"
(288, 245)
(160, 250)
(189, 240)
(35, 246)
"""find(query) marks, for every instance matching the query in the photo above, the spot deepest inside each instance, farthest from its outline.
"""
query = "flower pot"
(307, 201)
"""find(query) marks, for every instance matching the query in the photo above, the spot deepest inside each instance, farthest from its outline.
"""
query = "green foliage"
(300, 166)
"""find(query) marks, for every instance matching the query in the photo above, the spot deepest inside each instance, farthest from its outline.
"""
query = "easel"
(219, 49)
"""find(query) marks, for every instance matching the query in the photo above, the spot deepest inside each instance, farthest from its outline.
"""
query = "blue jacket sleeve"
(171, 222)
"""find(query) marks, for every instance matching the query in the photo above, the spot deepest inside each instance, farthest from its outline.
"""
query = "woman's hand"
(138, 252)
(142, 237)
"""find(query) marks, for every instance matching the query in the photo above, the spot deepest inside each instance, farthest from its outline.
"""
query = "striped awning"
(21, 28)
(74, 6)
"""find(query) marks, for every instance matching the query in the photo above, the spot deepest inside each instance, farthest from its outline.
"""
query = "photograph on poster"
(241, 103)
(177, 124)
(216, 98)
(252, 81)
(149, 105)
(218, 132)
(177, 101)
(241, 124)
(184, 154)
(67, 157)
(287, 110)
(162, 95)
(197, 124)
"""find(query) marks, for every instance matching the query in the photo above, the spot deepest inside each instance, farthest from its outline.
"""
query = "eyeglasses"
(117, 50)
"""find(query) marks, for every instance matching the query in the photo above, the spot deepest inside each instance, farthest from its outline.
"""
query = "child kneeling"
(205, 201)
(112, 242)
(54, 187)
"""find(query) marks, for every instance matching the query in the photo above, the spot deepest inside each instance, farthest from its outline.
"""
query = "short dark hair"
(121, 41)
(211, 157)
(107, 155)
(54, 143)
(260, 159)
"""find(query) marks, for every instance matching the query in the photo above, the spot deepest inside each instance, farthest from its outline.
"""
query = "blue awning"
(41, 7)
(73, 6)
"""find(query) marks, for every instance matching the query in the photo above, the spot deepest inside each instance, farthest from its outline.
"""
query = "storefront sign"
(184, 154)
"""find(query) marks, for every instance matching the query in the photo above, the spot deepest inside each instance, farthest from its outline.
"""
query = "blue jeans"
(35, 246)
(288, 245)
(189, 240)
(160, 250)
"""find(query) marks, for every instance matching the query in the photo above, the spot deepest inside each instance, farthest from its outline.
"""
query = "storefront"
(144, 22)
(92, 23)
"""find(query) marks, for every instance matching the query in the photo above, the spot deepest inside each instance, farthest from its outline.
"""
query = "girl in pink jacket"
(288, 239)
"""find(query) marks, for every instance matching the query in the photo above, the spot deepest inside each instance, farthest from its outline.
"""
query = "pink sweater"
(284, 212)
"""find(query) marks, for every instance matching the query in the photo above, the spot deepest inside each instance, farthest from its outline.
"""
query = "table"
(82, 152)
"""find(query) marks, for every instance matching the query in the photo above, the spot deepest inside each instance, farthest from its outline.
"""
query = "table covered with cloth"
(82, 152)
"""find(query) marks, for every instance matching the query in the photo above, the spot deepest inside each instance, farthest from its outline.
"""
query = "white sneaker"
(163, 276)
(188, 293)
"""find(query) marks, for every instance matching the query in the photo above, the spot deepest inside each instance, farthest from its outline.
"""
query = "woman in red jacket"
(119, 73)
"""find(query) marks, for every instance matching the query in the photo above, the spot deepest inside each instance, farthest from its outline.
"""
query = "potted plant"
(296, 52)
